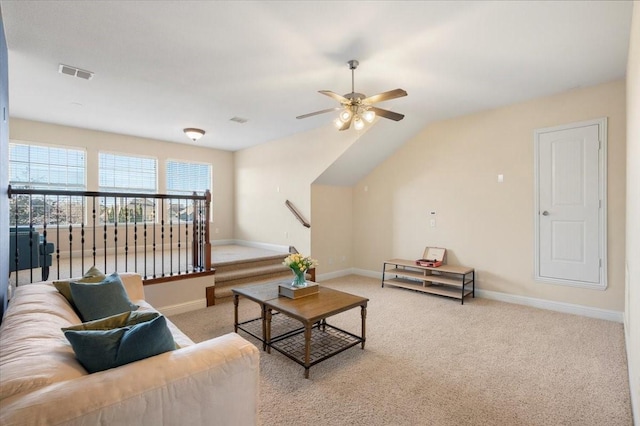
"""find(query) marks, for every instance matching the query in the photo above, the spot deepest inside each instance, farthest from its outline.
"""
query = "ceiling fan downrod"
(353, 64)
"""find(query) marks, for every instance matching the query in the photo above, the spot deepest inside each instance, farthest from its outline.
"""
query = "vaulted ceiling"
(166, 65)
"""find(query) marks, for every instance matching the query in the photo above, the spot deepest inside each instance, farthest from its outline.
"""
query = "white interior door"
(570, 211)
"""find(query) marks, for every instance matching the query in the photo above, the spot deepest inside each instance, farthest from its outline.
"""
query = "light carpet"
(431, 361)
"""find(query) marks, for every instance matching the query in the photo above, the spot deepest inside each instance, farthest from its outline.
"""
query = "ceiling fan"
(356, 107)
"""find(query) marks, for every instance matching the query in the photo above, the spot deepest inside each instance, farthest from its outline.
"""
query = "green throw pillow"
(93, 275)
(101, 300)
(99, 350)
(125, 319)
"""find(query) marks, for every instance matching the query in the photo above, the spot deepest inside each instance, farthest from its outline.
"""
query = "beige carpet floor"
(431, 361)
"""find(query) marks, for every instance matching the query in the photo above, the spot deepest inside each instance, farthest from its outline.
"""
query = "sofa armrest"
(133, 285)
(215, 381)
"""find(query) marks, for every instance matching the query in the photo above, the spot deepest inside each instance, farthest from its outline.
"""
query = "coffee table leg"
(235, 312)
(264, 326)
(267, 329)
(307, 349)
(363, 314)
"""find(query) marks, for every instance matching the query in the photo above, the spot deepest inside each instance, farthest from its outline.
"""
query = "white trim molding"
(567, 308)
(181, 308)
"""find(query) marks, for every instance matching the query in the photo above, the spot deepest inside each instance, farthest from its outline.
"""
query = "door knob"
(545, 213)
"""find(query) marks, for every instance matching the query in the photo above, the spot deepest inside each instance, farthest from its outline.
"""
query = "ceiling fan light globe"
(345, 115)
(369, 116)
(338, 123)
(358, 124)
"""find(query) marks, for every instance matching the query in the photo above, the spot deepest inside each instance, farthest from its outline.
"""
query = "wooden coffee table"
(308, 339)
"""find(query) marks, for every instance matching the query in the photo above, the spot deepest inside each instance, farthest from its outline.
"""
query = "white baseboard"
(551, 305)
(568, 308)
(222, 242)
(181, 308)
(334, 274)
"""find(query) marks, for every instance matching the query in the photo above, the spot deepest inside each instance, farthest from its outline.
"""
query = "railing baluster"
(178, 232)
(116, 215)
(170, 237)
(93, 213)
(82, 238)
(126, 234)
(58, 234)
(104, 237)
(154, 239)
(135, 234)
(162, 209)
(145, 238)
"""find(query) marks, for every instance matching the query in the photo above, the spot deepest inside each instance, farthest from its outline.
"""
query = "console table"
(445, 280)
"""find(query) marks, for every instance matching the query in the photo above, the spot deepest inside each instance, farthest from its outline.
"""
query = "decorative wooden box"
(285, 289)
(432, 257)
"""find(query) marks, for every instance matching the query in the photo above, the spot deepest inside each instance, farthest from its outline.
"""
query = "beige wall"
(269, 174)
(632, 310)
(332, 230)
(95, 141)
(451, 168)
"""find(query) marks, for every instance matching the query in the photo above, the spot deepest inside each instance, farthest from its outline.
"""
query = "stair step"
(222, 277)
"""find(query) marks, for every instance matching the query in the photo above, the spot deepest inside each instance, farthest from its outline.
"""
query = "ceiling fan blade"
(346, 125)
(385, 96)
(387, 114)
(311, 114)
(334, 95)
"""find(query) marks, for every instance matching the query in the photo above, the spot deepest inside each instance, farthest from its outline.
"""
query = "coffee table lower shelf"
(288, 338)
(326, 341)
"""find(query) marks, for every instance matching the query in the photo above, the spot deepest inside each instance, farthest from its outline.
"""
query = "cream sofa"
(214, 382)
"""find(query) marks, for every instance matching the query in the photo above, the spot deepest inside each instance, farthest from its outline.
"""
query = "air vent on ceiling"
(239, 120)
(75, 72)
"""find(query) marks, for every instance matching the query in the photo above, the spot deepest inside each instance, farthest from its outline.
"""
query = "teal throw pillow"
(93, 275)
(100, 300)
(99, 350)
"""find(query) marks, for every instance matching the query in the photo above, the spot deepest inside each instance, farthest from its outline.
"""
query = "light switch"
(432, 222)
(500, 178)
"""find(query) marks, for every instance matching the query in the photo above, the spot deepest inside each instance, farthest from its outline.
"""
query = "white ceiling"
(166, 65)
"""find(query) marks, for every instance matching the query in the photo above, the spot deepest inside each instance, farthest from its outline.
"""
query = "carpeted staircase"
(241, 272)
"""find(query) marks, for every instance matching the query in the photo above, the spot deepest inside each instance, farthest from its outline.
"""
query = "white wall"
(267, 175)
(332, 230)
(451, 168)
(632, 308)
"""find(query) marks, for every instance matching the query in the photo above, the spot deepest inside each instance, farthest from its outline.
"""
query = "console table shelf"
(445, 280)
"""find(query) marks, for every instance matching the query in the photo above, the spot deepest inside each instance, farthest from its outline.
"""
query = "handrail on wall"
(297, 214)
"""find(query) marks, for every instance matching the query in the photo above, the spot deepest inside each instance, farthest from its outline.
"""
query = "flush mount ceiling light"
(194, 134)
(357, 108)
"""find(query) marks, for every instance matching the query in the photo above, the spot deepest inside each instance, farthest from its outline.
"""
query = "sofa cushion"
(93, 275)
(99, 349)
(100, 300)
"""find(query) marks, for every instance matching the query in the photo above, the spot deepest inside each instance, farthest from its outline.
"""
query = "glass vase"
(299, 279)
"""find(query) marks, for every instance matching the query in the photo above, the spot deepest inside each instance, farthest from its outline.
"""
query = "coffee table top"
(314, 307)
(260, 292)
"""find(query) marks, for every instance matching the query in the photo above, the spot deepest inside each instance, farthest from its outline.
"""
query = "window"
(124, 173)
(127, 174)
(184, 178)
(46, 167)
